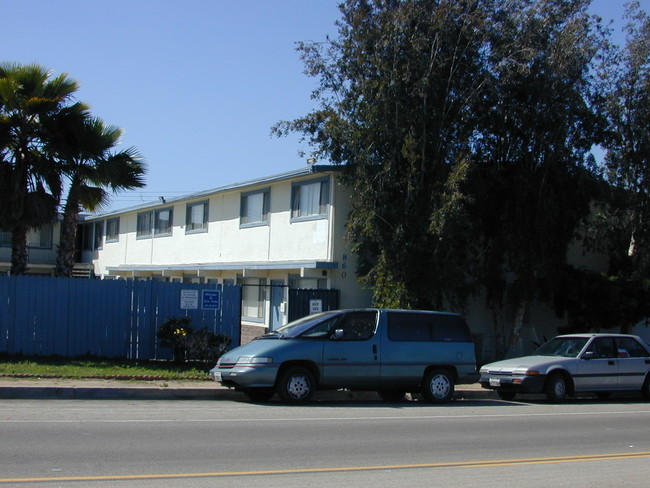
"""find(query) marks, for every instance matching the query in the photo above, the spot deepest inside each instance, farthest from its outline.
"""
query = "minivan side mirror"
(588, 355)
(338, 334)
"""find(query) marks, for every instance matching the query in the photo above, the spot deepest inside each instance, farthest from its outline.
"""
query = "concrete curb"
(204, 392)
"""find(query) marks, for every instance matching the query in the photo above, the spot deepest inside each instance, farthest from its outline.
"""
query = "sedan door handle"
(611, 363)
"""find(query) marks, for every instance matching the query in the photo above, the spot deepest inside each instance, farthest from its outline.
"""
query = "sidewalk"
(98, 389)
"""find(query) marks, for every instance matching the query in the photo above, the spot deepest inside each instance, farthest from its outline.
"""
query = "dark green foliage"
(464, 130)
(190, 345)
(593, 301)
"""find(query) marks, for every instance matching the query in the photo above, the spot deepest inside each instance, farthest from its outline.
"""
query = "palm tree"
(82, 144)
(30, 185)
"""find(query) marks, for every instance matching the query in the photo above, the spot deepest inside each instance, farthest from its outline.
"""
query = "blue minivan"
(391, 351)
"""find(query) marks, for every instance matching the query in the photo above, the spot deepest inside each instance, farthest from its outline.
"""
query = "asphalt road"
(489, 443)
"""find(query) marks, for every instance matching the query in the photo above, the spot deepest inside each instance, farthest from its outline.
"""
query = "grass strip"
(121, 369)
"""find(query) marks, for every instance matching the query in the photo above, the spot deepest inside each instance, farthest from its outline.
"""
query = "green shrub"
(187, 344)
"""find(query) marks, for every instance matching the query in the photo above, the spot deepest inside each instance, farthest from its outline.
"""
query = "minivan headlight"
(253, 360)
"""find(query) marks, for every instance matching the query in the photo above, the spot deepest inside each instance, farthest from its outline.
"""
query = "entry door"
(277, 299)
(351, 355)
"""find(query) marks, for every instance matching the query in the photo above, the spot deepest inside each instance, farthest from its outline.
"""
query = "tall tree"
(463, 128)
(533, 182)
(627, 159)
(621, 223)
(398, 97)
(84, 147)
(30, 185)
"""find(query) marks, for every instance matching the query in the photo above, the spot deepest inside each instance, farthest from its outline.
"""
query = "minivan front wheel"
(296, 385)
(438, 386)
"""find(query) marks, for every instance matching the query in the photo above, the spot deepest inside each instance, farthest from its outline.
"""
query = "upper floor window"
(196, 218)
(309, 199)
(144, 225)
(92, 235)
(163, 221)
(98, 240)
(255, 207)
(113, 230)
(158, 223)
(40, 237)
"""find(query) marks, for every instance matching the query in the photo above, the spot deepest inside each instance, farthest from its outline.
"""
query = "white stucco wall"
(225, 241)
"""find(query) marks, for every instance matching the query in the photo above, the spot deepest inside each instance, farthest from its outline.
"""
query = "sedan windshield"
(568, 347)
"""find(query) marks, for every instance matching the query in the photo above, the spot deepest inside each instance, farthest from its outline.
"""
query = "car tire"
(506, 395)
(556, 387)
(296, 385)
(645, 390)
(260, 394)
(438, 386)
(391, 395)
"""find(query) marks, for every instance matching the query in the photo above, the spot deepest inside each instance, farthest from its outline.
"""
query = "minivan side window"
(427, 327)
(357, 326)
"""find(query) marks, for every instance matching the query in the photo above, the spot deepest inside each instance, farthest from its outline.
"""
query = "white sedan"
(571, 364)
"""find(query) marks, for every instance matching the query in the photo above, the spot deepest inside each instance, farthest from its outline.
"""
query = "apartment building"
(268, 234)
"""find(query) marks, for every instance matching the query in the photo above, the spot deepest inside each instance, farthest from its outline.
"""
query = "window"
(253, 298)
(310, 199)
(426, 327)
(113, 230)
(630, 348)
(98, 239)
(144, 224)
(357, 326)
(40, 238)
(163, 222)
(196, 218)
(603, 348)
(255, 208)
(297, 282)
(92, 235)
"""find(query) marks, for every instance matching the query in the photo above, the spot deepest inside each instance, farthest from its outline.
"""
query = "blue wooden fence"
(68, 317)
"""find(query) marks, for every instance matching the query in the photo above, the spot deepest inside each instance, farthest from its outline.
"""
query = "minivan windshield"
(300, 326)
(568, 347)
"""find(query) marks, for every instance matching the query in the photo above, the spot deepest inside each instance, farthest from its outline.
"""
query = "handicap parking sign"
(210, 299)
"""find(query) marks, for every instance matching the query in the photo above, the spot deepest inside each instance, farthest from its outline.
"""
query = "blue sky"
(195, 84)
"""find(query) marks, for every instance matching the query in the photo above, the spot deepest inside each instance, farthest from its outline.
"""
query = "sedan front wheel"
(556, 387)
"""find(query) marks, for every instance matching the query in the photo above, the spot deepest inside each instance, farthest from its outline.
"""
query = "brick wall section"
(250, 332)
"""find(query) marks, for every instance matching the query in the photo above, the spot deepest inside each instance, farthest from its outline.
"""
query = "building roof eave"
(270, 265)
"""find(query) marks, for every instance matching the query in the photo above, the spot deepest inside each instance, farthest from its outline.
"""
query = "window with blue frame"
(310, 199)
(196, 218)
(254, 208)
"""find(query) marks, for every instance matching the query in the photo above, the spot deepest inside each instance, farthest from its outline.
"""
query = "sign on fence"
(189, 299)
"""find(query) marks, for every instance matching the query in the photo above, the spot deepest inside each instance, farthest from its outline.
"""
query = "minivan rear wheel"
(296, 385)
(438, 386)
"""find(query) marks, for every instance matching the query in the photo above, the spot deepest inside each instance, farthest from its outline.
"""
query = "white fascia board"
(226, 266)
